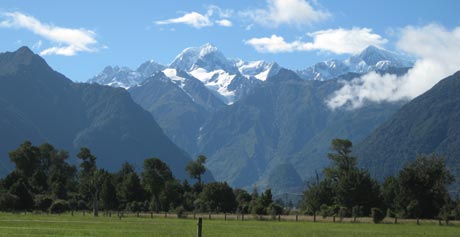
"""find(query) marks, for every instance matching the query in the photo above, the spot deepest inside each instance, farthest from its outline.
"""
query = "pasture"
(41, 225)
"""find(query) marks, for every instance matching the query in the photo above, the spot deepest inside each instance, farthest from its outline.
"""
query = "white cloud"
(291, 12)
(70, 41)
(194, 19)
(274, 44)
(437, 51)
(224, 22)
(223, 13)
(342, 41)
(338, 41)
(199, 20)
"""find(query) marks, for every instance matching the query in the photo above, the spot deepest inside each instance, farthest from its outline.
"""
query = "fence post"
(200, 223)
(225, 216)
(296, 218)
(242, 216)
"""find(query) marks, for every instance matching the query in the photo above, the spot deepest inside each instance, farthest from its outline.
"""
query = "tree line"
(43, 180)
(420, 190)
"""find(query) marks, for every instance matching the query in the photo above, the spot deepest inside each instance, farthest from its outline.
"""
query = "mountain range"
(259, 124)
(228, 79)
(252, 119)
(41, 105)
(370, 59)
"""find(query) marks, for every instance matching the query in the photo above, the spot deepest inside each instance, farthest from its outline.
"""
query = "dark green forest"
(43, 180)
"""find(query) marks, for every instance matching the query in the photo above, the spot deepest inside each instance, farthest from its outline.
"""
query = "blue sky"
(79, 38)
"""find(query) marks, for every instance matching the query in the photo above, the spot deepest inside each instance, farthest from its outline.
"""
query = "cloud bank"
(69, 41)
(291, 12)
(338, 41)
(437, 51)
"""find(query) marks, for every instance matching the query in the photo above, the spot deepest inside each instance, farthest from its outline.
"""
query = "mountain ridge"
(372, 58)
(41, 105)
(427, 124)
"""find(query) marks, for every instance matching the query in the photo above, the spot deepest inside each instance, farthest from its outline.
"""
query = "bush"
(343, 212)
(258, 209)
(73, 204)
(357, 211)
(81, 205)
(275, 209)
(377, 215)
(59, 206)
(43, 202)
(8, 201)
(325, 211)
(133, 206)
(180, 212)
(200, 205)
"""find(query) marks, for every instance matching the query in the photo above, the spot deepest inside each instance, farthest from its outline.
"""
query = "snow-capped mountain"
(228, 79)
(149, 68)
(117, 77)
(370, 59)
(126, 77)
(258, 69)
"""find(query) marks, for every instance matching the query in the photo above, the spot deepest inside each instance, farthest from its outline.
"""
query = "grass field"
(78, 225)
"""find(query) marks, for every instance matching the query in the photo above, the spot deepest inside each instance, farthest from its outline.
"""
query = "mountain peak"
(208, 48)
(373, 48)
(372, 55)
(149, 68)
(11, 61)
(24, 50)
(24, 55)
(206, 56)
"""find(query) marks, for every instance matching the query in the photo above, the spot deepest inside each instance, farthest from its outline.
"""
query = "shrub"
(325, 211)
(43, 202)
(180, 212)
(377, 215)
(8, 201)
(275, 209)
(81, 205)
(343, 212)
(59, 206)
(73, 204)
(357, 211)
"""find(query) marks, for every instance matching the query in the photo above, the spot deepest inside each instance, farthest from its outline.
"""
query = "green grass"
(78, 225)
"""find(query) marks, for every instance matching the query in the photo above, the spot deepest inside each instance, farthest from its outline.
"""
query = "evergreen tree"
(108, 193)
(90, 178)
(130, 190)
(155, 175)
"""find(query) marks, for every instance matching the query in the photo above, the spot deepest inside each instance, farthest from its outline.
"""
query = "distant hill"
(429, 123)
(41, 105)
